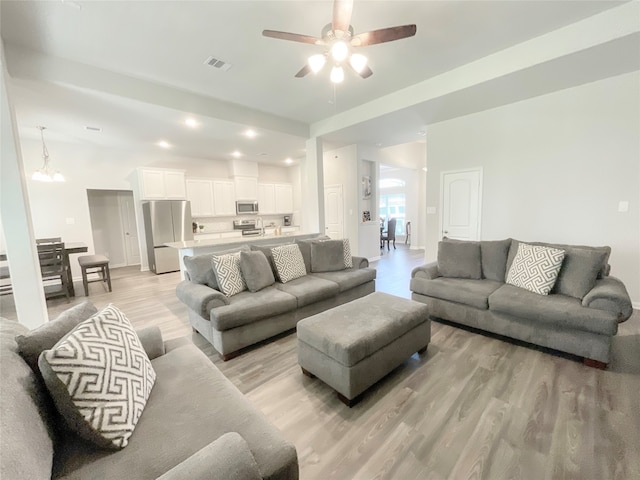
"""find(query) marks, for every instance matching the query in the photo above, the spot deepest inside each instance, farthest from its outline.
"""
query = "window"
(392, 206)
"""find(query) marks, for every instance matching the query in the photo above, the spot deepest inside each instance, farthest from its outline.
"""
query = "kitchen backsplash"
(212, 224)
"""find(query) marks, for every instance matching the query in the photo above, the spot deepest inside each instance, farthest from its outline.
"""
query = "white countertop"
(195, 244)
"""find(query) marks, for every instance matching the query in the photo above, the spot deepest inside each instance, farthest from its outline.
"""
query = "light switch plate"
(623, 206)
(431, 210)
(71, 221)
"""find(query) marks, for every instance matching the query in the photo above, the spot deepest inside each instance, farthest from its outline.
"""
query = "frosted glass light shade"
(339, 51)
(358, 62)
(337, 75)
(316, 62)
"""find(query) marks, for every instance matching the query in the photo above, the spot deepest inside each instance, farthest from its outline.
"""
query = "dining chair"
(53, 268)
(407, 238)
(390, 234)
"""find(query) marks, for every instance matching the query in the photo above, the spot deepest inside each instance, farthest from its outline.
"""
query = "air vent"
(93, 129)
(217, 63)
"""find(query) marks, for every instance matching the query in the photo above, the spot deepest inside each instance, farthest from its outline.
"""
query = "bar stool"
(94, 264)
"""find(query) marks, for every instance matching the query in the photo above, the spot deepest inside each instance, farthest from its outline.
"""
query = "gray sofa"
(580, 315)
(235, 322)
(196, 423)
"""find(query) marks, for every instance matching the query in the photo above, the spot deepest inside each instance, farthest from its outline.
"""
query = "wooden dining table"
(70, 248)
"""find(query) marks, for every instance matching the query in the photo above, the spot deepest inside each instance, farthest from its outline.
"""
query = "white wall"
(554, 169)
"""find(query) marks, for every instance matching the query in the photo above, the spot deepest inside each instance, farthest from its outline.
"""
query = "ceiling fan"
(340, 39)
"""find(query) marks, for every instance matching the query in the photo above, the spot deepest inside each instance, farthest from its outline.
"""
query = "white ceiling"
(164, 43)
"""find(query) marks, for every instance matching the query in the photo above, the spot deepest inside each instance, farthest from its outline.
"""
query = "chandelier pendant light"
(45, 174)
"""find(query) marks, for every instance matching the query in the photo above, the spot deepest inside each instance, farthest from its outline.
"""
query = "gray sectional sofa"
(232, 323)
(196, 423)
(580, 315)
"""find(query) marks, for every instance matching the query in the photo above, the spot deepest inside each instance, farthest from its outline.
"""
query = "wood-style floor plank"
(473, 406)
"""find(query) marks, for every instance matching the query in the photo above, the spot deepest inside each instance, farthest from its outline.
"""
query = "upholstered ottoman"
(352, 346)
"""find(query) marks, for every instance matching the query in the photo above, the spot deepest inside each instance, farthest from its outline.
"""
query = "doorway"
(113, 225)
(461, 204)
(333, 212)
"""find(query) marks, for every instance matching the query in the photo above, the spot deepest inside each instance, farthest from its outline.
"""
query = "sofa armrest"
(227, 458)
(200, 298)
(359, 262)
(610, 295)
(151, 340)
(428, 271)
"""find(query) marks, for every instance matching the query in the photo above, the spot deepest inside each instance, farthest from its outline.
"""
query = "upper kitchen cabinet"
(200, 194)
(224, 197)
(283, 198)
(246, 188)
(266, 199)
(162, 184)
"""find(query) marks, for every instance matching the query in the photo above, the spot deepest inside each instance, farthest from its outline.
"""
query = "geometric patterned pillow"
(289, 262)
(535, 268)
(228, 274)
(100, 378)
(348, 261)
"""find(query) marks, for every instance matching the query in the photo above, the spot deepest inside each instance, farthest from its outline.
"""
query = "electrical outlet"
(623, 206)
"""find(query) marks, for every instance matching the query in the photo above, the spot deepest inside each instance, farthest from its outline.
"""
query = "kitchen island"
(199, 247)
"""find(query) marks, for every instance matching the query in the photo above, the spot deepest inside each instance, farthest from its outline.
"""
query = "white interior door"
(129, 228)
(461, 204)
(333, 208)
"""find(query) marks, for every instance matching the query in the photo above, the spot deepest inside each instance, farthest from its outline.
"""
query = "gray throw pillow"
(305, 249)
(579, 271)
(327, 256)
(266, 249)
(33, 343)
(494, 258)
(256, 270)
(200, 270)
(459, 260)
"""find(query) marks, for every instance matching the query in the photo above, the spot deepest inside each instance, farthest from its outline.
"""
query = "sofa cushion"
(248, 307)
(494, 255)
(228, 275)
(309, 289)
(579, 271)
(289, 262)
(305, 249)
(559, 310)
(459, 259)
(535, 268)
(200, 270)
(227, 458)
(256, 270)
(349, 278)
(191, 405)
(327, 256)
(100, 378)
(474, 293)
(26, 415)
(31, 344)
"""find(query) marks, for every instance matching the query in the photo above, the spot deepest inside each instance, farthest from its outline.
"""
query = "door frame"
(479, 199)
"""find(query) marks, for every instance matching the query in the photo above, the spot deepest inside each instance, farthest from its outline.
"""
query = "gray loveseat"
(580, 315)
(238, 321)
(196, 423)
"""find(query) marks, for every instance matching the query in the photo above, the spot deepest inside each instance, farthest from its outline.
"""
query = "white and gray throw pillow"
(228, 274)
(348, 260)
(100, 378)
(535, 268)
(289, 262)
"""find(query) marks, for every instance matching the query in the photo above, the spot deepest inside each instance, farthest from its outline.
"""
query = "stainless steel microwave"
(246, 207)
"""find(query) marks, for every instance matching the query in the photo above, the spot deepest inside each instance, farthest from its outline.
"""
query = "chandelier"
(45, 174)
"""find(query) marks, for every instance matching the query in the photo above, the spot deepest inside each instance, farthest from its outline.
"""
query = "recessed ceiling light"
(288, 161)
(422, 133)
(378, 144)
(164, 144)
(236, 154)
(424, 169)
(250, 133)
(191, 122)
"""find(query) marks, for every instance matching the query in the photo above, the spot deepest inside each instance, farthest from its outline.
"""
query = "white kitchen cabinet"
(283, 198)
(266, 199)
(224, 197)
(200, 194)
(246, 188)
(158, 184)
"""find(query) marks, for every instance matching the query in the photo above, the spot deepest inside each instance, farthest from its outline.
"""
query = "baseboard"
(635, 305)
(373, 259)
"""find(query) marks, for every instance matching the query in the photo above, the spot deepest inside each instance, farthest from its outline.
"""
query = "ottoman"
(352, 346)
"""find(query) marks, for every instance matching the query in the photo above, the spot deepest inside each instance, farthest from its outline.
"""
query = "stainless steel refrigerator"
(166, 221)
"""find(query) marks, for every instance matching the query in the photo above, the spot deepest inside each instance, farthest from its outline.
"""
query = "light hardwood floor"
(474, 406)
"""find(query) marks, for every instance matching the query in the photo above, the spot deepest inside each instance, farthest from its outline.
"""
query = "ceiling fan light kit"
(45, 174)
(339, 39)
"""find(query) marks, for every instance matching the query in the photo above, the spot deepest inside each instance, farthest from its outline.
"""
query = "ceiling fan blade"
(342, 10)
(294, 37)
(303, 71)
(383, 35)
